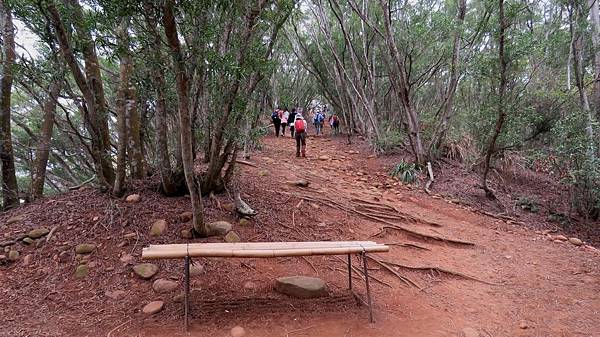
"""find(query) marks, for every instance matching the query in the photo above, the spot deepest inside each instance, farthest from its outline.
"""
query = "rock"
(186, 216)
(301, 286)
(219, 228)
(85, 248)
(38, 232)
(82, 271)
(560, 237)
(232, 237)
(179, 298)
(263, 173)
(122, 244)
(470, 332)
(64, 256)
(196, 269)
(133, 198)
(324, 157)
(28, 240)
(27, 259)
(230, 207)
(96, 218)
(244, 221)
(163, 286)
(116, 294)
(299, 182)
(126, 258)
(2, 257)
(186, 233)
(158, 227)
(92, 264)
(237, 331)
(576, 241)
(153, 307)
(13, 255)
(523, 325)
(145, 270)
(15, 219)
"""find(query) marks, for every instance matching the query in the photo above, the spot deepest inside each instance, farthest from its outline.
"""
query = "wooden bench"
(265, 250)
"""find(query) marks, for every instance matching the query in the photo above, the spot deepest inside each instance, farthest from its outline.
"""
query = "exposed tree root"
(402, 278)
(243, 162)
(433, 268)
(426, 236)
(411, 245)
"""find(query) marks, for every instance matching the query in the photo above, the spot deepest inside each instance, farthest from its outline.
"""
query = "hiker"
(318, 122)
(300, 128)
(334, 122)
(291, 120)
(284, 115)
(276, 121)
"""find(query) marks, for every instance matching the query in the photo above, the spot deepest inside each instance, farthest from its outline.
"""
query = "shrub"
(406, 172)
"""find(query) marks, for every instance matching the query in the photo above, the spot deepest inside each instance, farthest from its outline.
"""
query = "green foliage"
(527, 204)
(406, 172)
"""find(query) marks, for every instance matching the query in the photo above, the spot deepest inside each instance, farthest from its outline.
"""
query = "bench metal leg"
(186, 300)
(366, 270)
(349, 272)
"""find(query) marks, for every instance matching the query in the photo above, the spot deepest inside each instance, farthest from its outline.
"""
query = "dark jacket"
(292, 118)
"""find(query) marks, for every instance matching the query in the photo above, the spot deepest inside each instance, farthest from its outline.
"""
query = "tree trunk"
(580, 72)
(121, 109)
(89, 109)
(136, 156)
(184, 119)
(94, 79)
(595, 28)
(43, 149)
(398, 70)
(491, 148)
(9, 180)
(441, 130)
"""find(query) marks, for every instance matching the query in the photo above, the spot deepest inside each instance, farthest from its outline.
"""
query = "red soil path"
(538, 287)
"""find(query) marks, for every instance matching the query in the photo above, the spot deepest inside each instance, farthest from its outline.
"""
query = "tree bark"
(9, 180)
(94, 79)
(136, 156)
(595, 28)
(121, 109)
(402, 87)
(185, 119)
(89, 108)
(441, 130)
(43, 149)
(491, 148)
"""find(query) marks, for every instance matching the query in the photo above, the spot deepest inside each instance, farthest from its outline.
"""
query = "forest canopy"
(108, 92)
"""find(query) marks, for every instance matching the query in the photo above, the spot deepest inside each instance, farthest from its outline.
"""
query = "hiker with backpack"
(276, 121)
(291, 120)
(300, 126)
(318, 122)
(334, 122)
(284, 115)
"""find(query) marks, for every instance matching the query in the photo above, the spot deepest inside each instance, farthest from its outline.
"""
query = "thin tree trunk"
(595, 28)
(9, 180)
(580, 73)
(185, 119)
(441, 130)
(402, 86)
(491, 148)
(94, 79)
(160, 117)
(136, 156)
(89, 109)
(121, 109)
(43, 149)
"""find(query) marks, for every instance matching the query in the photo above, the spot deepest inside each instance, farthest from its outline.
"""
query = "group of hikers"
(282, 119)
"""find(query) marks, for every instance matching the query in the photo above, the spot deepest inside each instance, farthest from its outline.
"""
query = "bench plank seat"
(261, 249)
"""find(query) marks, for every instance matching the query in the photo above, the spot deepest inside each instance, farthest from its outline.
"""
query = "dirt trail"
(534, 287)
(541, 288)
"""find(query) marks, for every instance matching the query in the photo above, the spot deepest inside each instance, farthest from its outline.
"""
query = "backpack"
(335, 118)
(275, 115)
(299, 126)
(320, 118)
